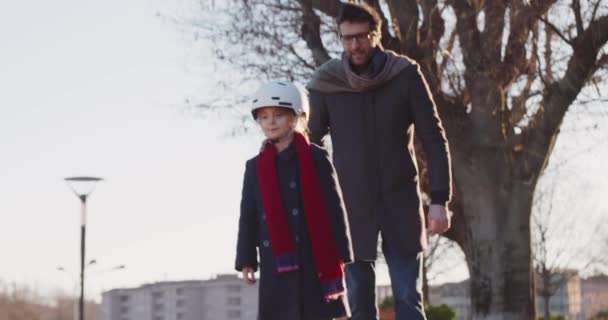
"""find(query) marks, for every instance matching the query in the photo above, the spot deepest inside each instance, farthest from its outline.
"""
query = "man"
(370, 101)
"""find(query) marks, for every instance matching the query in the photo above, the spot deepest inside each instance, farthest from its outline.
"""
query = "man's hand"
(439, 219)
(248, 275)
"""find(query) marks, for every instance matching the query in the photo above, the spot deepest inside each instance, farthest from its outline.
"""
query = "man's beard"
(360, 52)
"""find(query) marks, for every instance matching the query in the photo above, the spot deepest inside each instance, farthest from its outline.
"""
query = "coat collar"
(289, 152)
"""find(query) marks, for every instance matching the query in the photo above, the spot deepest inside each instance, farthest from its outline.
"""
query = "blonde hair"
(302, 124)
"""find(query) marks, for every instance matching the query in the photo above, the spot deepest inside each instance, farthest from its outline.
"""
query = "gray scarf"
(337, 76)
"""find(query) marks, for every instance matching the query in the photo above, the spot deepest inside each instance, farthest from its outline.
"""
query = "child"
(292, 210)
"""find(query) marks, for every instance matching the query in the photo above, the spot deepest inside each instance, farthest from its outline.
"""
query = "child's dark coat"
(292, 295)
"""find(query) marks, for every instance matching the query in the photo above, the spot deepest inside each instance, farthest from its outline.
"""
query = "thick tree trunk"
(425, 285)
(497, 208)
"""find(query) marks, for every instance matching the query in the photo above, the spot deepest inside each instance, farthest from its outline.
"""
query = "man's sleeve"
(428, 128)
(318, 121)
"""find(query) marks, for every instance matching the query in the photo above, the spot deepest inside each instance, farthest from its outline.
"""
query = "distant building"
(224, 298)
(565, 302)
(595, 295)
(575, 300)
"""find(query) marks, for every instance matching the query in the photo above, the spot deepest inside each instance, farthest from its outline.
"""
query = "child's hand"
(333, 297)
(248, 275)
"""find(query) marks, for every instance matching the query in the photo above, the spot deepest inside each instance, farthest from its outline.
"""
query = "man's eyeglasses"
(363, 37)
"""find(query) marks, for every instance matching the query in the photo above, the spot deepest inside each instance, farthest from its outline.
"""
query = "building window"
(234, 288)
(180, 303)
(159, 318)
(179, 316)
(179, 291)
(124, 298)
(124, 309)
(157, 295)
(158, 307)
(234, 314)
(234, 301)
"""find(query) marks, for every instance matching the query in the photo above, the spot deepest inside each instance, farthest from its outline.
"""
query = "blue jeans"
(406, 280)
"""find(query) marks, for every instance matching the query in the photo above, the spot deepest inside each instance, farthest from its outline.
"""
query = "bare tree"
(503, 75)
(21, 302)
(442, 256)
(565, 243)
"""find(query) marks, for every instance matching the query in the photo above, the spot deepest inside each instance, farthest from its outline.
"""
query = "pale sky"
(96, 88)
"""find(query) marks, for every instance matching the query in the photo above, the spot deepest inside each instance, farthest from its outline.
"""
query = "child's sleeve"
(246, 252)
(335, 207)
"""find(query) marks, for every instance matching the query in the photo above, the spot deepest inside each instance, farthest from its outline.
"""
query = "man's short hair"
(360, 12)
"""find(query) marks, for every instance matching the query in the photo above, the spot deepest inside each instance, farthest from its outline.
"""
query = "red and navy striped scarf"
(328, 265)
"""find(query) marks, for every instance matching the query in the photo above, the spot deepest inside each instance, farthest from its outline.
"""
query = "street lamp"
(82, 187)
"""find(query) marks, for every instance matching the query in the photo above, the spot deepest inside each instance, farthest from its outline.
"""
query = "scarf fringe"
(287, 262)
(332, 289)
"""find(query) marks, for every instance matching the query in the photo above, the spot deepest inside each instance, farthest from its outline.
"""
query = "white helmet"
(281, 94)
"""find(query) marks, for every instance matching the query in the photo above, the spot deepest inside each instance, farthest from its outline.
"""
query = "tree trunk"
(547, 311)
(425, 285)
(497, 238)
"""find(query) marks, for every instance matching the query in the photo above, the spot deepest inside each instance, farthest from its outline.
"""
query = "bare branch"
(548, 53)
(602, 61)
(433, 26)
(281, 7)
(431, 32)
(597, 5)
(559, 95)
(518, 103)
(556, 31)
(311, 33)
(576, 8)
(302, 60)
(329, 7)
(469, 36)
(494, 28)
(523, 20)
(405, 16)
(447, 54)
(388, 40)
(541, 77)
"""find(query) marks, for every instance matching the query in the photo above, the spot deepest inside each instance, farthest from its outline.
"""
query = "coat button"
(295, 211)
(297, 239)
(266, 243)
(292, 185)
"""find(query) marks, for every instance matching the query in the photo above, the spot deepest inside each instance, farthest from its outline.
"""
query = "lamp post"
(82, 187)
(73, 279)
(75, 285)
